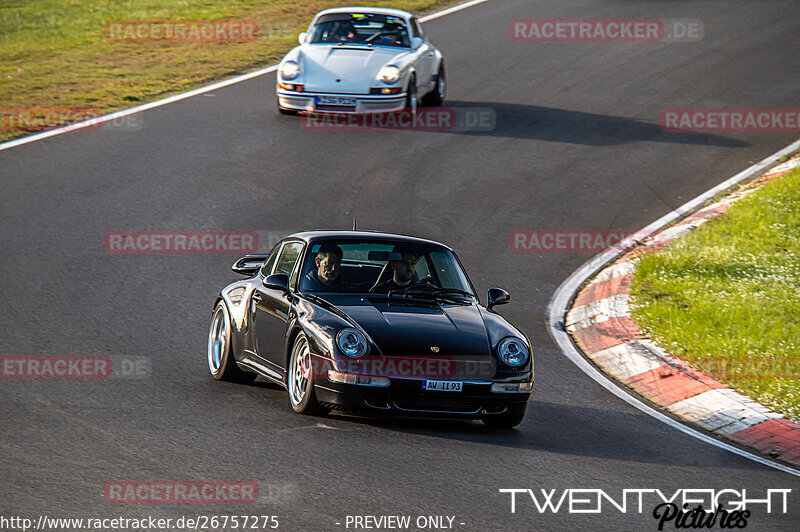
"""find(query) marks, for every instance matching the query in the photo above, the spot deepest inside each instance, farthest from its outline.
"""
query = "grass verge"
(57, 58)
(726, 297)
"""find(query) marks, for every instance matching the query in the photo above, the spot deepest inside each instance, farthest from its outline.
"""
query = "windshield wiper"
(442, 291)
(430, 291)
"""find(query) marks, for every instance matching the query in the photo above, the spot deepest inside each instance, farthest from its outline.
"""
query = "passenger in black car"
(326, 277)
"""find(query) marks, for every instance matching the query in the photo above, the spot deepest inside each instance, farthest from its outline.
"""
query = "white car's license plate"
(336, 100)
(442, 386)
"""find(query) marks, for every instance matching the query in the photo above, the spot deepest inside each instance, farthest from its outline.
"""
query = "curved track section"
(576, 145)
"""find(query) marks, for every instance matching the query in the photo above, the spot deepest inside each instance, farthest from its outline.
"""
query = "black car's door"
(272, 311)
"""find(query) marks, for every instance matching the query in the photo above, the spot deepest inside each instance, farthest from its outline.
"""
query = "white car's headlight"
(351, 342)
(512, 351)
(389, 74)
(289, 70)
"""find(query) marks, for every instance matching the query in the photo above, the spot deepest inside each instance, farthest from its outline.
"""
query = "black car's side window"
(266, 269)
(288, 258)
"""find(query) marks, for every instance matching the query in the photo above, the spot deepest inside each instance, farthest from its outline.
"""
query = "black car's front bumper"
(406, 397)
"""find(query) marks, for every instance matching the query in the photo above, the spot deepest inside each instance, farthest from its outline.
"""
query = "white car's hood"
(355, 67)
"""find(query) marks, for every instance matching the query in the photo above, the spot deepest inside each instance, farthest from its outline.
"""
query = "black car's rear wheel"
(300, 379)
(221, 362)
(506, 420)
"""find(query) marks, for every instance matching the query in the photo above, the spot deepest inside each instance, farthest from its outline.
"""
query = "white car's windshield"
(361, 28)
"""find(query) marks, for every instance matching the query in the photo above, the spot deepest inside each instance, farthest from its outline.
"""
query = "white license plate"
(442, 386)
(336, 100)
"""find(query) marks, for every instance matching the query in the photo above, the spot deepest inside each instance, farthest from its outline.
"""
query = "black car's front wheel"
(221, 362)
(300, 379)
(506, 420)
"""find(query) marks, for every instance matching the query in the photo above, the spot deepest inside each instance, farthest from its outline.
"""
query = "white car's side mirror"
(416, 42)
(301, 38)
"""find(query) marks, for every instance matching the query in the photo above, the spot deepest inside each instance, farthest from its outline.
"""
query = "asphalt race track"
(577, 145)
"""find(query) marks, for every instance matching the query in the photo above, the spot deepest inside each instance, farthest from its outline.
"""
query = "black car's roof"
(311, 236)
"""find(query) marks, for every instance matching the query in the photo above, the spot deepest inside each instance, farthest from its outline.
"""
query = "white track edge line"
(557, 308)
(200, 90)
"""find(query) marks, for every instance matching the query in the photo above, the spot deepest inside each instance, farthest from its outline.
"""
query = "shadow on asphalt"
(556, 428)
(577, 127)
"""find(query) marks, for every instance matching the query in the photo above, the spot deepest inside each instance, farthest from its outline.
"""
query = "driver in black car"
(326, 277)
(402, 273)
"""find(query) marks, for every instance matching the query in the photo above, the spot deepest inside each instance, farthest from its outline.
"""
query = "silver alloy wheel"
(218, 337)
(299, 372)
(442, 86)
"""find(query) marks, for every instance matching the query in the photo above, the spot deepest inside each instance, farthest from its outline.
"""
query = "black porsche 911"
(371, 322)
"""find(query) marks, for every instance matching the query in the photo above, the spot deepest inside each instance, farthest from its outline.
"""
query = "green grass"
(56, 55)
(726, 297)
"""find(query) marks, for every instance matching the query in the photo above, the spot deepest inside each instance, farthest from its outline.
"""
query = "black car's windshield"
(360, 28)
(383, 267)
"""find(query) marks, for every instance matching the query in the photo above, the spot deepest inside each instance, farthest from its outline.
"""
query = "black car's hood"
(418, 327)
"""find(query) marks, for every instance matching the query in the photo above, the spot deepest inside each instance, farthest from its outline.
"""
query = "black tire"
(221, 362)
(506, 420)
(304, 402)
(437, 95)
(411, 97)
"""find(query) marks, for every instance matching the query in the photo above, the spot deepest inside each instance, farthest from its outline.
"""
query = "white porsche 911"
(361, 60)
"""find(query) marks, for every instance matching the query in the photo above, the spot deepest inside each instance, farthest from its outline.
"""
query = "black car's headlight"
(290, 69)
(513, 351)
(351, 342)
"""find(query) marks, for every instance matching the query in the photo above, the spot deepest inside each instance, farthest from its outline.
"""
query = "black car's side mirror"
(497, 296)
(249, 264)
(277, 281)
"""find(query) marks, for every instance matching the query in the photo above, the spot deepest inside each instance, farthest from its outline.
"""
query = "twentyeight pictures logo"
(683, 508)
(180, 242)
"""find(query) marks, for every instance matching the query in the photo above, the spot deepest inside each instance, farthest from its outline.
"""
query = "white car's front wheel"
(411, 96)
(436, 96)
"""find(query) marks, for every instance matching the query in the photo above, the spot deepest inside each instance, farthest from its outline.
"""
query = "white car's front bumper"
(362, 103)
